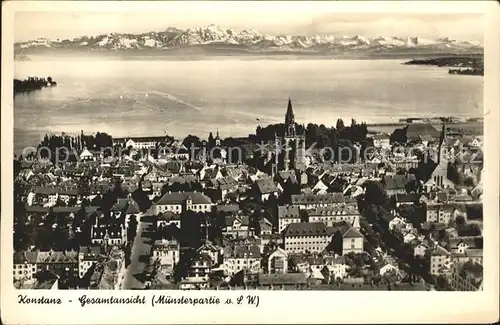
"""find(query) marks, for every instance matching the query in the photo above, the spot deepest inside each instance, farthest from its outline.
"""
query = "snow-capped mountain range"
(248, 40)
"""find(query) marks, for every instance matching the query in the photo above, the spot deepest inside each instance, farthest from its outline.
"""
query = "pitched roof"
(282, 279)
(407, 197)
(440, 251)
(415, 130)
(243, 251)
(177, 198)
(266, 185)
(288, 211)
(352, 233)
(334, 210)
(397, 182)
(470, 241)
(25, 257)
(306, 229)
(321, 198)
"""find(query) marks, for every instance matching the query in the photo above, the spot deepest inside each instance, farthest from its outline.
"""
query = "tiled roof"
(244, 251)
(169, 216)
(282, 279)
(176, 198)
(471, 242)
(321, 198)
(334, 210)
(415, 130)
(290, 211)
(306, 229)
(57, 257)
(266, 185)
(25, 257)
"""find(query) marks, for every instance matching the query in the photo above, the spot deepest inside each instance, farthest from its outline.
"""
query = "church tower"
(292, 144)
(217, 139)
(289, 120)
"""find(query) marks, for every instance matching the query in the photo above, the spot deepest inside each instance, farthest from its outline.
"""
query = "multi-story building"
(88, 256)
(440, 261)
(139, 142)
(277, 261)
(59, 263)
(313, 201)
(24, 266)
(466, 276)
(179, 202)
(335, 214)
(167, 252)
(345, 239)
(241, 257)
(287, 215)
(305, 237)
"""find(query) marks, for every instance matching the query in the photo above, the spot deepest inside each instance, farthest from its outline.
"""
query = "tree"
(375, 194)
(398, 136)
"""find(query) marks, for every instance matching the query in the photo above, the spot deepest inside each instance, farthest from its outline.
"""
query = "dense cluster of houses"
(293, 228)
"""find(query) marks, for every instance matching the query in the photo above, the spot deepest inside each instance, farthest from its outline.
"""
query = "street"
(134, 277)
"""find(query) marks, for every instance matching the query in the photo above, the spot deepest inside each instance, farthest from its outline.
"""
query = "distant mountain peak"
(250, 40)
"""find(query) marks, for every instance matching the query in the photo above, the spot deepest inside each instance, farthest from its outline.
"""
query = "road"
(134, 277)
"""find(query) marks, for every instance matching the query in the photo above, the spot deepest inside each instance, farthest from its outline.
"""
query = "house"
(209, 249)
(305, 237)
(139, 142)
(166, 252)
(335, 269)
(334, 214)
(86, 155)
(440, 261)
(241, 257)
(25, 266)
(462, 244)
(420, 250)
(266, 227)
(320, 188)
(201, 267)
(168, 218)
(277, 261)
(237, 226)
(470, 254)
(179, 202)
(312, 201)
(287, 215)
(466, 276)
(59, 263)
(345, 239)
(442, 213)
(406, 199)
(264, 188)
(194, 283)
(87, 257)
(396, 184)
(381, 140)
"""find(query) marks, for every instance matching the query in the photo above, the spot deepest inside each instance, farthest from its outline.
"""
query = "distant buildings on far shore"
(439, 120)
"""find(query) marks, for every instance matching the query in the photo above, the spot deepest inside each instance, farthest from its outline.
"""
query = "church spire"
(441, 144)
(289, 119)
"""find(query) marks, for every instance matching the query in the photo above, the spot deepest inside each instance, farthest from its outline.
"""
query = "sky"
(274, 18)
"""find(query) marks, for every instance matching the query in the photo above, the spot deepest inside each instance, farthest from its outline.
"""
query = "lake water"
(180, 97)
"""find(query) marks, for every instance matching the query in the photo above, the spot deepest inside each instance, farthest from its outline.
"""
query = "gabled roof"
(352, 233)
(288, 211)
(266, 185)
(177, 198)
(306, 229)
